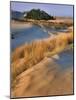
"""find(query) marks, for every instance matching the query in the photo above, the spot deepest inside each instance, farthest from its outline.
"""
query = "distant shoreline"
(27, 23)
(18, 25)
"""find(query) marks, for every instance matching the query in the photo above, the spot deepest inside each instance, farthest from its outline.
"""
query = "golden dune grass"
(30, 54)
(43, 79)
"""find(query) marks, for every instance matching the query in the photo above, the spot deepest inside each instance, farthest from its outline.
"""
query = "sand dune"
(45, 78)
(35, 74)
(28, 55)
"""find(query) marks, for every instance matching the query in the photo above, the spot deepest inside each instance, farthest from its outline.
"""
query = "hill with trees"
(35, 14)
(38, 14)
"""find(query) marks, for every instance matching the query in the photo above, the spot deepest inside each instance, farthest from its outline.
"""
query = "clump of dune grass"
(30, 54)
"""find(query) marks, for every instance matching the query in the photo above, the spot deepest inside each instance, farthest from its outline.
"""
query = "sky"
(52, 9)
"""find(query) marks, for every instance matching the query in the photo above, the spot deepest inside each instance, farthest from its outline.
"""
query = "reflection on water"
(20, 36)
(65, 59)
(27, 35)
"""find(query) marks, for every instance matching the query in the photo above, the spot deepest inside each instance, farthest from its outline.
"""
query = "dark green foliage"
(38, 15)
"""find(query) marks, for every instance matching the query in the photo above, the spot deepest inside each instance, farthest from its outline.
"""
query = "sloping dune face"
(43, 79)
(35, 74)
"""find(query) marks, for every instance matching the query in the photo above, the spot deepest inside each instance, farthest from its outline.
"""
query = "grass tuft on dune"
(30, 54)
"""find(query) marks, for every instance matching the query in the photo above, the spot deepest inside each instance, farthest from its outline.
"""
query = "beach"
(41, 63)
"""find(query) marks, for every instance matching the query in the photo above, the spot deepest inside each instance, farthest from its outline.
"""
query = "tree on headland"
(38, 14)
(35, 14)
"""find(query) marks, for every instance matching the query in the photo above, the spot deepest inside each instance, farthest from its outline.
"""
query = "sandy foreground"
(43, 79)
